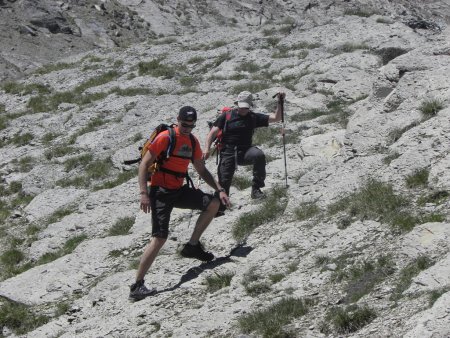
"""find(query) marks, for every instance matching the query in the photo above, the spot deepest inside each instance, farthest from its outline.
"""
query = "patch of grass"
(25, 89)
(60, 213)
(270, 321)
(270, 136)
(131, 91)
(19, 318)
(436, 198)
(350, 47)
(435, 295)
(61, 308)
(78, 181)
(390, 53)
(306, 211)
(99, 169)
(408, 273)
(21, 139)
(196, 60)
(68, 248)
(55, 67)
(349, 319)
(77, 161)
(49, 137)
(276, 277)
(431, 107)
(365, 13)
(248, 66)
(59, 151)
(12, 257)
(384, 20)
(22, 199)
(156, 69)
(254, 284)
(377, 201)
(252, 87)
(418, 179)
(364, 276)
(218, 281)
(271, 208)
(43, 103)
(90, 127)
(121, 178)
(115, 253)
(395, 134)
(122, 226)
(24, 164)
(241, 182)
(389, 158)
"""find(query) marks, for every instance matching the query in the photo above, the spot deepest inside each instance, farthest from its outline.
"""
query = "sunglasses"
(185, 125)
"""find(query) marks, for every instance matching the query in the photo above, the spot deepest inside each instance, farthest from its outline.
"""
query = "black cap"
(188, 114)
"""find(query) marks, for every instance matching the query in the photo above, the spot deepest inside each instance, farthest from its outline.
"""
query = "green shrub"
(270, 322)
(24, 164)
(418, 179)
(350, 319)
(122, 226)
(271, 208)
(218, 281)
(389, 53)
(19, 318)
(276, 277)
(431, 107)
(395, 134)
(408, 273)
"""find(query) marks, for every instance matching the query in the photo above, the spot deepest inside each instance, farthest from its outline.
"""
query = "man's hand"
(281, 97)
(145, 203)
(224, 199)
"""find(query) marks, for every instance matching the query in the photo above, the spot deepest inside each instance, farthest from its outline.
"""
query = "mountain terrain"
(356, 245)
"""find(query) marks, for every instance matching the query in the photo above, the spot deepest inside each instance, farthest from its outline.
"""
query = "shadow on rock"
(240, 251)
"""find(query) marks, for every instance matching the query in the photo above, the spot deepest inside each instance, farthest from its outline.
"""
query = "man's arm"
(209, 140)
(204, 173)
(146, 162)
(276, 115)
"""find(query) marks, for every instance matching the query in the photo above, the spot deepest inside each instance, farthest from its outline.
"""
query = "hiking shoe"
(196, 251)
(139, 291)
(257, 194)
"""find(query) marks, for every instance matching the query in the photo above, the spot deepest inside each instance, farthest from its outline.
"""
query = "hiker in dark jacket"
(237, 126)
(167, 191)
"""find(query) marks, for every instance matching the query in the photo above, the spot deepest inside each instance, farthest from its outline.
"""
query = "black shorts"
(164, 200)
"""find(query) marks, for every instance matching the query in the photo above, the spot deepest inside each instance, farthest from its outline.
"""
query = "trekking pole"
(284, 138)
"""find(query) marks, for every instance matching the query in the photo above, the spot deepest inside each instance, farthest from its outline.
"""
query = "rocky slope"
(358, 245)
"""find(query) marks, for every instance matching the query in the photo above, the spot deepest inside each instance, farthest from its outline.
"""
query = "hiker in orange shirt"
(167, 191)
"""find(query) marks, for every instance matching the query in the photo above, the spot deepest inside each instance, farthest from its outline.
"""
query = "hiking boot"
(196, 251)
(257, 194)
(139, 291)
